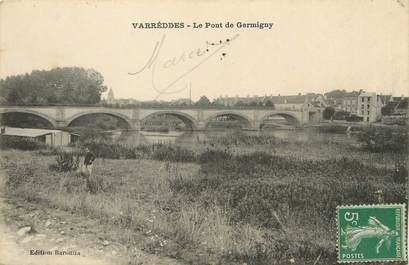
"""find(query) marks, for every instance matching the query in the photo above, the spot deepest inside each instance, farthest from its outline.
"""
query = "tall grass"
(153, 151)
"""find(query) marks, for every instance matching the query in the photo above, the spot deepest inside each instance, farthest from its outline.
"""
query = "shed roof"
(28, 132)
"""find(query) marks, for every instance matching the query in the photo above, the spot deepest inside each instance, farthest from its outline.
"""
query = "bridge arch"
(187, 119)
(51, 120)
(291, 118)
(92, 112)
(238, 116)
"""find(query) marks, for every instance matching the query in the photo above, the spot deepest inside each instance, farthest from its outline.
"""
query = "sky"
(313, 45)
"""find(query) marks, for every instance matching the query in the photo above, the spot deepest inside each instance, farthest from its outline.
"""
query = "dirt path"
(62, 231)
(15, 247)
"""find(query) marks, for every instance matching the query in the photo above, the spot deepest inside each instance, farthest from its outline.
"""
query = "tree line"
(67, 85)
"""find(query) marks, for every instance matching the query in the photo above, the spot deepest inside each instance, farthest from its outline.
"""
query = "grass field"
(232, 205)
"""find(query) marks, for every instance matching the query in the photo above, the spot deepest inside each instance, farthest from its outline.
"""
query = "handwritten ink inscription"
(191, 59)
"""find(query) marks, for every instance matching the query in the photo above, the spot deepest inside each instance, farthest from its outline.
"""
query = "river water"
(189, 137)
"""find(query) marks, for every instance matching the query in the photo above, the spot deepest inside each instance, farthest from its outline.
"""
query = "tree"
(387, 110)
(341, 93)
(269, 103)
(328, 113)
(239, 104)
(203, 101)
(68, 85)
(341, 115)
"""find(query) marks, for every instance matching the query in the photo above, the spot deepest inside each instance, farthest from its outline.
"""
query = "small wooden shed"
(50, 137)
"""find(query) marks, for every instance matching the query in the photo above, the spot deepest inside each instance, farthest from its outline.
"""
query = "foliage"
(337, 93)
(272, 183)
(203, 101)
(238, 138)
(269, 103)
(388, 109)
(395, 106)
(21, 143)
(383, 139)
(282, 194)
(66, 161)
(68, 85)
(112, 150)
(333, 128)
(341, 115)
(175, 154)
(328, 113)
(214, 156)
(153, 151)
(354, 118)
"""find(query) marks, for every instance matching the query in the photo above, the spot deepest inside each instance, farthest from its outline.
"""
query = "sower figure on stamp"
(89, 158)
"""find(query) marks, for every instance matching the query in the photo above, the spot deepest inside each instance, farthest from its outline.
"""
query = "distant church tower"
(111, 97)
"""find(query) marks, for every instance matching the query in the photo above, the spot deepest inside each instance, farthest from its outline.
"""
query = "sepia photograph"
(222, 132)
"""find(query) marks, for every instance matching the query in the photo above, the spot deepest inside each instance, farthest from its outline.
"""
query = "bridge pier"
(136, 125)
(256, 125)
(60, 124)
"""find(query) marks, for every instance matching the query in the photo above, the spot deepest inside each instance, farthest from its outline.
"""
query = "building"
(370, 105)
(291, 102)
(49, 137)
(350, 104)
(111, 97)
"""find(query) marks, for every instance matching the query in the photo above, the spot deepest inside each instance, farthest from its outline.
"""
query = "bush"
(66, 161)
(381, 139)
(214, 156)
(239, 139)
(21, 143)
(175, 154)
(354, 118)
(113, 151)
(328, 113)
(332, 128)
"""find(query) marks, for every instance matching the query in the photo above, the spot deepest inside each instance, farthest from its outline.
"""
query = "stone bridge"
(196, 118)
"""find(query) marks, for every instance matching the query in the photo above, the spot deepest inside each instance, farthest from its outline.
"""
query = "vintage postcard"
(204, 132)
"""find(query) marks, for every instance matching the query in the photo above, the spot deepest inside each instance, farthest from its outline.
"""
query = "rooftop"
(27, 132)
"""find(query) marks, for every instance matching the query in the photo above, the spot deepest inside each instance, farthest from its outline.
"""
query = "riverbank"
(228, 206)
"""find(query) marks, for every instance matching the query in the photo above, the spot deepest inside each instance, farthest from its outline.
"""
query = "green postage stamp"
(371, 233)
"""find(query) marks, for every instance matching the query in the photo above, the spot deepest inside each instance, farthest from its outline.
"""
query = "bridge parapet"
(198, 119)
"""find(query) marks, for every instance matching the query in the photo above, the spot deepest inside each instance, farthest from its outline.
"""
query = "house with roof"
(290, 102)
(49, 137)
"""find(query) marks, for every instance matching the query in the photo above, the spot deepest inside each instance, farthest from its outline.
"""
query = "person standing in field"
(89, 158)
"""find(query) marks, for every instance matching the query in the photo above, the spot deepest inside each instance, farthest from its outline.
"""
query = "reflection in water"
(193, 137)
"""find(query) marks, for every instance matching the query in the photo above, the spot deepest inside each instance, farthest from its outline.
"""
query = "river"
(192, 137)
